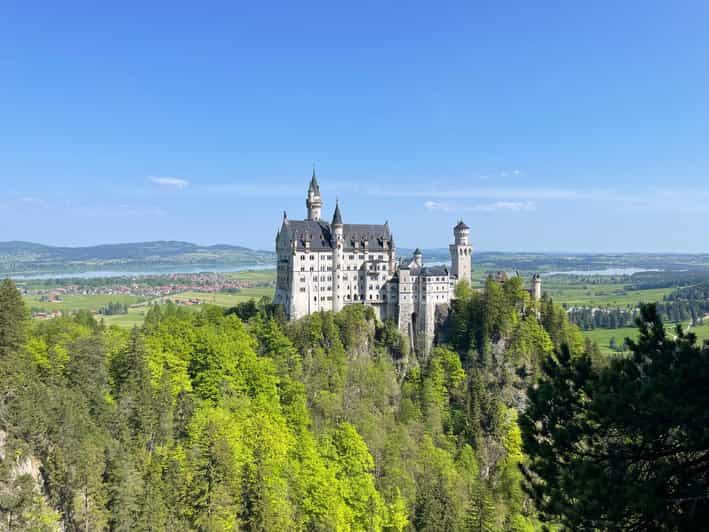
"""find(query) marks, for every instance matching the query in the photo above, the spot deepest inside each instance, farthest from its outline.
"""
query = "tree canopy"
(625, 446)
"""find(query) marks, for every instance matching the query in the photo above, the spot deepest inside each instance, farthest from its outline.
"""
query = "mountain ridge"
(18, 256)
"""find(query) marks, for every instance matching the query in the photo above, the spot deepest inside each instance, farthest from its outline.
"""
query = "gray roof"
(337, 217)
(461, 225)
(314, 187)
(434, 271)
(320, 235)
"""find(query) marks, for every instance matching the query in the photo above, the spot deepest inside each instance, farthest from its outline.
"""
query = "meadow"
(605, 295)
(72, 303)
(138, 306)
(220, 298)
(603, 336)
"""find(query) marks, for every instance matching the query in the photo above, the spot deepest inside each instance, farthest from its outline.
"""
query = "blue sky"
(547, 126)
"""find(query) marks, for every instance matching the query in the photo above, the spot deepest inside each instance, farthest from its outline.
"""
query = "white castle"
(325, 266)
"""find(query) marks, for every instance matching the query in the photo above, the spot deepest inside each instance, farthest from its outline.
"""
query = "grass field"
(224, 300)
(603, 336)
(254, 275)
(135, 317)
(71, 303)
(702, 331)
(605, 295)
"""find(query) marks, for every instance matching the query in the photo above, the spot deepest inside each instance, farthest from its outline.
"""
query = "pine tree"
(13, 319)
(623, 446)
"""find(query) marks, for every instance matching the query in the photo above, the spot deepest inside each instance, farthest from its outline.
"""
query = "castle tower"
(536, 287)
(338, 235)
(314, 202)
(461, 253)
(418, 257)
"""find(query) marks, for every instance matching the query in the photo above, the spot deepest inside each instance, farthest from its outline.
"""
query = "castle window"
(315, 298)
(302, 289)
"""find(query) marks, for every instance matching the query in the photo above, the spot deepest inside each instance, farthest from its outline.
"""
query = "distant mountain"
(29, 257)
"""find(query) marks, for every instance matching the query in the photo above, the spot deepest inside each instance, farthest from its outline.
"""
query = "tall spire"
(337, 218)
(314, 187)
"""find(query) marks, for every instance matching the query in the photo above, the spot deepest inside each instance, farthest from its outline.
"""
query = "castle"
(325, 266)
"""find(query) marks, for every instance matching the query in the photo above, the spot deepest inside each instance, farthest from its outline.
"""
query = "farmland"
(603, 336)
(46, 300)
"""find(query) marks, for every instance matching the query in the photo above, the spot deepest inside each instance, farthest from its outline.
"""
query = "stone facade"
(325, 266)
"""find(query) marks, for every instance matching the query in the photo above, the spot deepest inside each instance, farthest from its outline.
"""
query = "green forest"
(233, 419)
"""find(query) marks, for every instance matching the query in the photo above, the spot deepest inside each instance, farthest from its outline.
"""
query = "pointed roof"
(337, 217)
(461, 225)
(417, 251)
(314, 187)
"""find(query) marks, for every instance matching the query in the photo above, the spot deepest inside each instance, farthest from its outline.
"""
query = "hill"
(29, 258)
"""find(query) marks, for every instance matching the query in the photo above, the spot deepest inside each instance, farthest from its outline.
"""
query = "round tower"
(461, 232)
(338, 235)
(418, 257)
(314, 202)
(536, 286)
(461, 252)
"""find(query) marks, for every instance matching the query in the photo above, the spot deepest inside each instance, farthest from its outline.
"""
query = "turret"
(337, 217)
(536, 287)
(418, 257)
(461, 252)
(461, 233)
(338, 231)
(314, 202)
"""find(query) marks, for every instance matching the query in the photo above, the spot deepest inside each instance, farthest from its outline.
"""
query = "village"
(115, 295)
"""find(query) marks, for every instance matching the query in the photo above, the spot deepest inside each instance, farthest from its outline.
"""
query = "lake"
(100, 274)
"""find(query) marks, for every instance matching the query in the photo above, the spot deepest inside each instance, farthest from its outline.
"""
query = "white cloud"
(504, 206)
(516, 172)
(176, 182)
